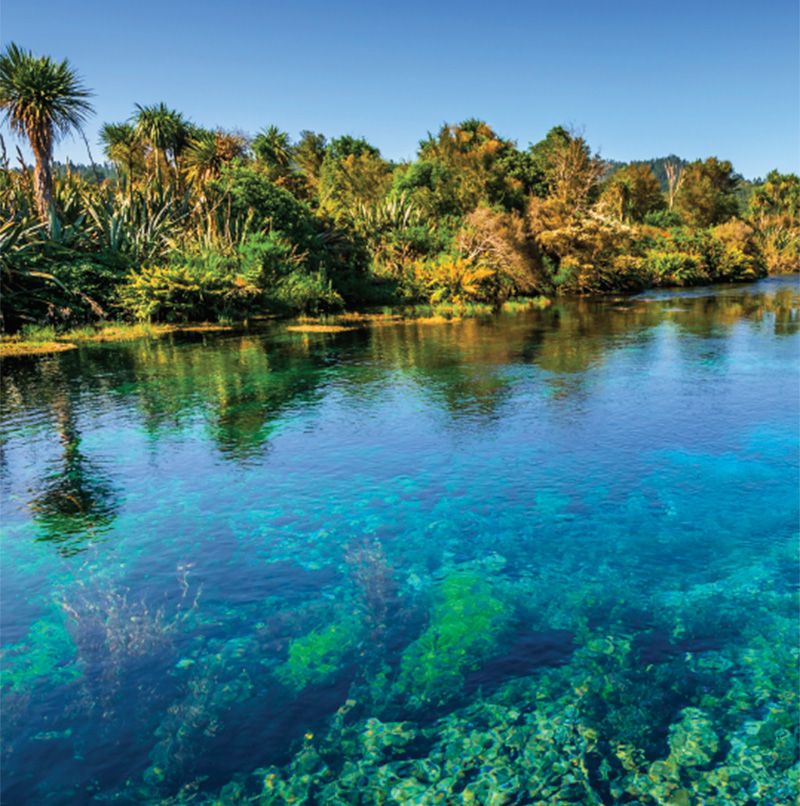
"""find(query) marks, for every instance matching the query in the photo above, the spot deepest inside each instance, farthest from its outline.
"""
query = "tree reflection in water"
(76, 501)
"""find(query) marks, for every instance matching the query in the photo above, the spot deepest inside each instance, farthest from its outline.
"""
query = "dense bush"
(265, 273)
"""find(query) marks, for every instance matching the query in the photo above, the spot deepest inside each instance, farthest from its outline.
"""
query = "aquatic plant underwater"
(541, 557)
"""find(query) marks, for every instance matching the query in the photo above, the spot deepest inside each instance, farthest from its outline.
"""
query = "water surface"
(544, 557)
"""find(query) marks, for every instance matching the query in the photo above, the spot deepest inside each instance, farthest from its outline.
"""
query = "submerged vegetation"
(190, 224)
(462, 632)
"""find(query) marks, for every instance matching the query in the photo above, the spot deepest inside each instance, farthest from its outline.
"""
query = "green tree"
(123, 146)
(166, 132)
(309, 152)
(541, 156)
(707, 194)
(273, 148)
(778, 195)
(774, 212)
(465, 165)
(42, 100)
(270, 207)
(352, 173)
(208, 152)
(571, 172)
(632, 192)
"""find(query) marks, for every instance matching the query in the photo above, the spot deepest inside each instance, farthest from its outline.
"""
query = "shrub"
(454, 279)
(500, 241)
(175, 293)
(307, 293)
(674, 268)
(663, 219)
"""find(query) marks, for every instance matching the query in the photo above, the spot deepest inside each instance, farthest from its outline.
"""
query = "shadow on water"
(525, 652)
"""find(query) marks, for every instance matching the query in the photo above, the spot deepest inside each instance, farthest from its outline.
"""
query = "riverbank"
(42, 340)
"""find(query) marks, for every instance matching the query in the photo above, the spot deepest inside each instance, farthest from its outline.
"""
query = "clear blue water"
(544, 557)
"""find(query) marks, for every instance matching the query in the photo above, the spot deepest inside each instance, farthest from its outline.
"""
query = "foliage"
(707, 194)
(352, 173)
(165, 133)
(208, 152)
(308, 154)
(633, 193)
(273, 148)
(774, 212)
(453, 279)
(123, 146)
(663, 219)
(473, 219)
(463, 166)
(42, 100)
(501, 242)
(396, 232)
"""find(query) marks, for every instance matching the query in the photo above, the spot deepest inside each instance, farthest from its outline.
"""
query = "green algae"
(45, 655)
(316, 657)
(465, 623)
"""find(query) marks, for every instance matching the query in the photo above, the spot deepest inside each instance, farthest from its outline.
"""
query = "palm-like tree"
(123, 146)
(42, 100)
(165, 130)
(273, 147)
(208, 151)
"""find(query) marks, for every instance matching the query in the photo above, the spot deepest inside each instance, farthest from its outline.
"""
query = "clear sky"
(639, 78)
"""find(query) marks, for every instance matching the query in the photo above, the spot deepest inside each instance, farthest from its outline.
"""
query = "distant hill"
(656, 165)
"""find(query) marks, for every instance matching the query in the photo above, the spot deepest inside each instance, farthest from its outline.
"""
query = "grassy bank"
(37, 340)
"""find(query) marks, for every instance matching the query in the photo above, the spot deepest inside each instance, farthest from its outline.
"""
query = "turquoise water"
(544, 557)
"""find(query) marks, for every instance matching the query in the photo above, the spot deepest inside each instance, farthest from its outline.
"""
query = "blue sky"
(640, 79)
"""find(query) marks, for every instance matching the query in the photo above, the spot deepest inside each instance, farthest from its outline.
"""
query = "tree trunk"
(674, 178)
(43, 185)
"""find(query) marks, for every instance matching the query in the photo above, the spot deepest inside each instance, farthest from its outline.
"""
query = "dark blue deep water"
(543, 557)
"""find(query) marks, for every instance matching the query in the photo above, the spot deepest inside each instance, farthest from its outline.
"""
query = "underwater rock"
(692, 741)
(382, 738)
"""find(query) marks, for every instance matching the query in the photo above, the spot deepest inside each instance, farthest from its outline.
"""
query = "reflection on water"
(76, 497)
(546, 557)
